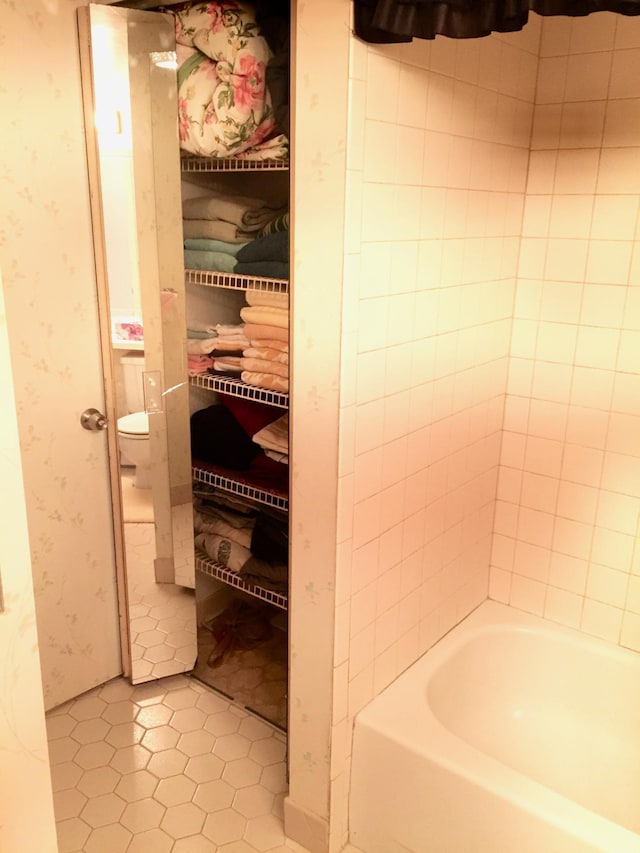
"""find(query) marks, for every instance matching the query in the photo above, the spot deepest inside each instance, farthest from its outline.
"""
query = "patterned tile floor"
(165, 767)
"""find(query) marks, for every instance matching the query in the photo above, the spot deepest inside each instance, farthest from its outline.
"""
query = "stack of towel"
(216, 348)
(266, 257)
(235, 233)
(274, 439)
(265, 361)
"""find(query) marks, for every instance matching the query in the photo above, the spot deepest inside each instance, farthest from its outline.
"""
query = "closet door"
(129, 82)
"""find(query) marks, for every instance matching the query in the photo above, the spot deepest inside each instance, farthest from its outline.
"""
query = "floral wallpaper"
(24, 783)
(47, 263)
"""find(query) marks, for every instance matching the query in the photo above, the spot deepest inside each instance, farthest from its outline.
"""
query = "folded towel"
(205, 245)
(228, 329)
(265, 315)
(213, 229)
(264, 332)
(222, 345)
(197, 364)
(228, 364)
(196, 346)
(260, 365)
(264, 297)
(196, 334)
(266, 380)
(196, 259)
(267, 354)
(274, 247)
(264, 269)
(278, 223)
(275, 435)
(249, 214)
(278, 457)
(281, 346)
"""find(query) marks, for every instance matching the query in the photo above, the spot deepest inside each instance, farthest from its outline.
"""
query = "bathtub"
(510, 735)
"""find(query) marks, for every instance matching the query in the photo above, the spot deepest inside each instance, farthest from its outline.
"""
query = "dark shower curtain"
(386, 21)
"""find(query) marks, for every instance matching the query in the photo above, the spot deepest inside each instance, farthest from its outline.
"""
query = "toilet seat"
(135, 425)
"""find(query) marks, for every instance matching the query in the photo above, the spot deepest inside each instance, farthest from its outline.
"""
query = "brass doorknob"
(93, 419)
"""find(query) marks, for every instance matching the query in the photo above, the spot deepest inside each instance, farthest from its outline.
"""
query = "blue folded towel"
(196, 259)
(204, 244)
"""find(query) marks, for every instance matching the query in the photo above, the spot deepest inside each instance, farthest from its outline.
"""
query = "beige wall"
(25, 785)
(437, 161)
(319, 122)
(566, 544)
(47, 263)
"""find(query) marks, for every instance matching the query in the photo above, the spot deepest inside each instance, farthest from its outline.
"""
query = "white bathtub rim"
(457, 756)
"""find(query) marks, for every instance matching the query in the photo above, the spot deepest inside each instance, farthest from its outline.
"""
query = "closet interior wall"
(257, 680)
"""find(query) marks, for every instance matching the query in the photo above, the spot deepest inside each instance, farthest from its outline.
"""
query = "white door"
(48, 264)
(52, 319)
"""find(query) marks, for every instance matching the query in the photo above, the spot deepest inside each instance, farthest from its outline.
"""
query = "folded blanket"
(218, 438)
(277, 224)
(264, 297)
(213, 229)
(197, 259)
(265, 573)
(274, 148)
(275, 436)
(197, 346)
(265, 315)
(266, 354)
(264, 269)
(280, 346)
(266, 380)
(208, 520)
(224, 551)
(249, 214)
(264, 332)
(260, 365)
(205, 245)
(223, 102)
(274, 247)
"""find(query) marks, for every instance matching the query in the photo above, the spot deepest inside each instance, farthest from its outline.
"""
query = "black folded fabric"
(265, 269)
(274, 247)
(270, 538)
(265, 573)
(218, 438)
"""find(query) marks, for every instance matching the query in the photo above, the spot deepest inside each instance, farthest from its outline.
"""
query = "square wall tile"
(587, 76)
(593, 33)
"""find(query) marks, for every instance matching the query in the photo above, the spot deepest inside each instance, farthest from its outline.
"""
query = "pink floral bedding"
(223, 102)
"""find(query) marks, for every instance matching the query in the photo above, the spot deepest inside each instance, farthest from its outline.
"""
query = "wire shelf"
(210, 278)
(212, 477)
(190, 163)
(237, 388)
(209, 567)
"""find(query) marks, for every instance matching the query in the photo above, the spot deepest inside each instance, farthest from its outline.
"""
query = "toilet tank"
(132, 370)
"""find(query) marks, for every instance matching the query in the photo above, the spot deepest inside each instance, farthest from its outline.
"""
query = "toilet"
(133, 428)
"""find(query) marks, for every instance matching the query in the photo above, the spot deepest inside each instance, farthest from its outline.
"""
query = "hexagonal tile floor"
(169, 767)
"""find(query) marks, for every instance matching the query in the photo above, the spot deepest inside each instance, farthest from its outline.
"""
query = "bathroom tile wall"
(566, 544)
(437, 164)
